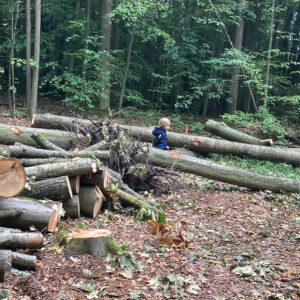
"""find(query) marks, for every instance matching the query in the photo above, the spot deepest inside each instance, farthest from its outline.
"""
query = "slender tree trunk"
(37, 37)
(87, 33)
(269, 54)
(104, 103)
(126, 70)
(71, 62)
(236, 70)
(28, 54)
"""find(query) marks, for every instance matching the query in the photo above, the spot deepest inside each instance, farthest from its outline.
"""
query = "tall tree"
(87, 33)
(28, 54)
(106, 7)
(37, 38)
(238, 42)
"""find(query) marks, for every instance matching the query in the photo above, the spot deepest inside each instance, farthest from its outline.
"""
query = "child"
(160, 134)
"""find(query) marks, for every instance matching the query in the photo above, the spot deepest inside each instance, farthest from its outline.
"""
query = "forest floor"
(240, 244)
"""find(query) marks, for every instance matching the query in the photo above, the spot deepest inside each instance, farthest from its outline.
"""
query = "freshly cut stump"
(12, 177)
(90, 199)
(95, 242)
(72, 207)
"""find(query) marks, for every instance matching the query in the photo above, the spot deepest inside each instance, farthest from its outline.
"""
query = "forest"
(91, 207)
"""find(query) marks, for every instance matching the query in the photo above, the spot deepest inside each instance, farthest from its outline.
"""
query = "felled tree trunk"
(197, 143)
(69, 168)
(228, 133)
(5, 263)
(221, 173)
(30, 162)
(91, 199)
(57, 188)
(75, 184)
(62, 139)
(72, 207)
(100, 179)
(33, 213)
(42, 141)
(23, 261)
(94, 242)
(24, 240)
(12, 177)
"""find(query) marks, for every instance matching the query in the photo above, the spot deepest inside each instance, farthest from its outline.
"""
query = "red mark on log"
(34, 240)
(15, 130)
(174, 154)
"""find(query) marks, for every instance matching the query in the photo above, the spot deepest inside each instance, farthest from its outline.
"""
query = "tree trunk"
(93, 242)
(75, 184)
(72, 207)
(23, 261)
(87, 33)
(21, 240)
(37, 36)
(42, 141)
(232, 107)
(70, 168)
(28, 55)
(106, 6)
(126, 71)
(57, 189)
(221, 173)
(269, 54)
(61, 138)
(12, 177)
(231, 134)
(33, 213)
(30, 162)
(197, 143)
(5, 263)
(91, 199)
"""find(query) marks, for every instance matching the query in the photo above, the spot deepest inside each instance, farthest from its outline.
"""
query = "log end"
(54, 218)
(12, 177)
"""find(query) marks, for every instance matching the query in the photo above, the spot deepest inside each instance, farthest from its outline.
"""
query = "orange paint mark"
(34, 240)
(174, 154)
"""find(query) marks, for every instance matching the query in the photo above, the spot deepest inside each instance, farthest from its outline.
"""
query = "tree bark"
(75, 184)
(42, 141)
(33, 213)
(21, 240)
(92, 242)
(197, 143)
(232, 107)
(57, 189)
(28, 55)
(12, 177)
(70, 168)
(231, 134)
(5, 263)
(87, 33)
(91, 199)
(36, 56)
(23, 261)
(30, 162)
(61, 138)
(72, 207)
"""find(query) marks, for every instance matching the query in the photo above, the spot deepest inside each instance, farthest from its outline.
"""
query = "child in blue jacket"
(160, 134)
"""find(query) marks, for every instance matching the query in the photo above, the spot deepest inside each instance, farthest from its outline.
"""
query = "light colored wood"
(12, 177)
(54, 218)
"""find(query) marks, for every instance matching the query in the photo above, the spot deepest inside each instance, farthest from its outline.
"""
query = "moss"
(62, 234)
(76, 247)
(112, 247)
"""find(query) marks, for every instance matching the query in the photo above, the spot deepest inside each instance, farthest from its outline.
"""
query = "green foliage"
(144, 214)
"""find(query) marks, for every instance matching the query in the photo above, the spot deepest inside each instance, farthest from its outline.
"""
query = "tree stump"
(12, 177)
(94, 242)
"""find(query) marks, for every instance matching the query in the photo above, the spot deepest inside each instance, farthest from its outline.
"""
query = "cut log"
(75, 184)
(197, 143)
(94, 242)
(228, 133)
(30, 162)
(42, 141)
(221, 173)
(5, 263)
(57, 189)
(34, 213)
(72, 207)
(62, 139)
(69, 168)
(30, 152)
(12, 177)
(10, 213)
(100, 179)
(90, 199)
(4, 151)
(23, 261)
(103, 145)
(23, 240)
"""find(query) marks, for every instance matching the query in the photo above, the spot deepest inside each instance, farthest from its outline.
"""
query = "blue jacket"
(160, 138)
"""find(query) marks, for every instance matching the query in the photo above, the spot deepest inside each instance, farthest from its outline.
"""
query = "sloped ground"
(227, 230)
(242, 245)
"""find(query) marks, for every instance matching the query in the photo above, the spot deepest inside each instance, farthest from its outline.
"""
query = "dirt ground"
(240, 244)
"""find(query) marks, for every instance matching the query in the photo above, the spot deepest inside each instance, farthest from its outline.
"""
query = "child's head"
(164, 123)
